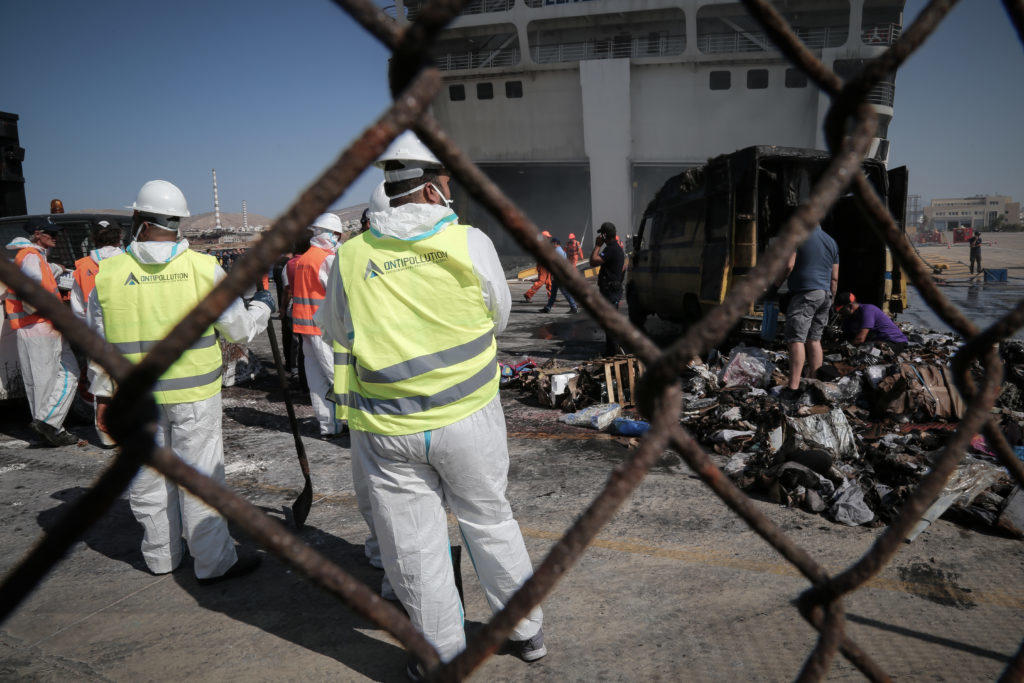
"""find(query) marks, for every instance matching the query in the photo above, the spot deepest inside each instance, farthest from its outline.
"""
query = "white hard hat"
(162, 198)
(410, 151)
(379, 199)
(328, 221)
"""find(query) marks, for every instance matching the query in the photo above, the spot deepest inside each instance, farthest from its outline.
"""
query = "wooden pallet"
(622, 373)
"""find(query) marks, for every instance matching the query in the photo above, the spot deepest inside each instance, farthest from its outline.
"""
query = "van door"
(895, 279)
(715, 264)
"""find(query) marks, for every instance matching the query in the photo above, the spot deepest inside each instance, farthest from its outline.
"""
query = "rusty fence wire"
(850, 126)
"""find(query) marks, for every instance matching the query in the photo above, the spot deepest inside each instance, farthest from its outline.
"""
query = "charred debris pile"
(852, 446)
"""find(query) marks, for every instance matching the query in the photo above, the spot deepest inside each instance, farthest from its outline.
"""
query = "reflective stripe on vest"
(307, 290)
(423, 353)
(13, 306)
(143, 302)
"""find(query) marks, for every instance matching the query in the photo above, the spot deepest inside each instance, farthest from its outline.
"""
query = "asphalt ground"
(676, 587)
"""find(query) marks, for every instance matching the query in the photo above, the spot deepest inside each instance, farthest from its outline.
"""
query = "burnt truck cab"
(73, 242)
(706, 227)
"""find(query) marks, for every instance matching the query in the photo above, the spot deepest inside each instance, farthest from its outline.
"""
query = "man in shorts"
(812, 275)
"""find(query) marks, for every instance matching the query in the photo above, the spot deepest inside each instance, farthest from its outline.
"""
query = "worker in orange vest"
(106, 236)
(48, 367)
(543, 277)
(308, 292)
(573, 249)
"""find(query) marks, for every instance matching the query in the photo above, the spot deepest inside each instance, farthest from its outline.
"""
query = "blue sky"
(114, 93)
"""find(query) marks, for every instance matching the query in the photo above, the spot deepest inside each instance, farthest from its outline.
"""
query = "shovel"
(300, 508)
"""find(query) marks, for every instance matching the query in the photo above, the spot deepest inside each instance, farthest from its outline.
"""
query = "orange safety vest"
(307, 291)
(573, 251)
(13, 306)
(85, 275)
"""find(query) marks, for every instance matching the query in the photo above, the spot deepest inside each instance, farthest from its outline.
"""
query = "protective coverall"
(464, 463)
(85, 279)
(307, 294)
(192, 430)
(543, 280)
(48, 366)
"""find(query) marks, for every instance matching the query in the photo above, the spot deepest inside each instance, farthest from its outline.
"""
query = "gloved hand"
(264, 297)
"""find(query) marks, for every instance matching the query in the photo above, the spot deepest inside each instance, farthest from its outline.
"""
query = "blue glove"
(264, 297)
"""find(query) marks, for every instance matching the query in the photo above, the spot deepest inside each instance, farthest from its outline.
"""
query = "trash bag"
(747, 366)
(597, 416)
(829, 432)
(847, 506)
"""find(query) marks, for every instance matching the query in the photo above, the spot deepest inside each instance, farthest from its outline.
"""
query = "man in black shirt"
(975, 245)
(609, 255)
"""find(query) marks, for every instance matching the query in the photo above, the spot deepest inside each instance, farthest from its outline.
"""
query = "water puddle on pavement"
(983, 304)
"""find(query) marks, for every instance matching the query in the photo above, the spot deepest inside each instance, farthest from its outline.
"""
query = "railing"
(757, 41)
(546, 3)
(508, 56)
(883, 93)
(608, 49)
(881, 34)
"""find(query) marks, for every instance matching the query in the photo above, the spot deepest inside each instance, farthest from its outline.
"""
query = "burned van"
(706, 227)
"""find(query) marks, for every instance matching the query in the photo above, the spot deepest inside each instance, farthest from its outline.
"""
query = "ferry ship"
(581, 109)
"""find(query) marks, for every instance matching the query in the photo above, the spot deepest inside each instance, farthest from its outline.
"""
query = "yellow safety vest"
(423, 353)
(143, 302)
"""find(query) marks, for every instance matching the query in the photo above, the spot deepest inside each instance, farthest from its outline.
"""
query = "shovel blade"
(300, 508)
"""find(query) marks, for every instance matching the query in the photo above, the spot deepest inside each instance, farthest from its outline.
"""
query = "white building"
(980, 211)
(581, 110)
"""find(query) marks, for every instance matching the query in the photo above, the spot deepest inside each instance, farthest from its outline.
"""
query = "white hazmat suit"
(464, 464)
(48, 366)
(193, 432)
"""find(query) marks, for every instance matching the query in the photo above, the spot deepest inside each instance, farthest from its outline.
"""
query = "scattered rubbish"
(828, 432)
(596, 416)
(848, 507)
(747, 366)
(727, 435)
(624, 426)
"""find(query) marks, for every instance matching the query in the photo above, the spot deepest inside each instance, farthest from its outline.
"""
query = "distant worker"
(48, 366)
(813, 276)
(295, 358)
(107, 237)
(308, 290)
(868, 323)
(543, 276)
(364, 221)
(139, 297)
(417, 302)
(557, 286)
(573, 249)
(975, 244)
(608, 254)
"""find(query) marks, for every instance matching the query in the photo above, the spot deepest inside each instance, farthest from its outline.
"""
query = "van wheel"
(637, 314)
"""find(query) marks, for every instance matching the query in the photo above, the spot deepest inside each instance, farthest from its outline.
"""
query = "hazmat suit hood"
(411, 221)
(101, 253)
(157, 252)
(19, 243)
(325, 239)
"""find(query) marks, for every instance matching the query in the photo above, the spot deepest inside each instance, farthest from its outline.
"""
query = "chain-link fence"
(850, 126)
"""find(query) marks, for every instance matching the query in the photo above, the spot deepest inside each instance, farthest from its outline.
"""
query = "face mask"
(447, 202)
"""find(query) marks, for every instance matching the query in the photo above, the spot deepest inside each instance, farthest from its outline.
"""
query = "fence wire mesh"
(850, 126)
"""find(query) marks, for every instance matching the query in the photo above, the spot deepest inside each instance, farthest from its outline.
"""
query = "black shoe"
(545, 310)
(414, 671)
(245, 564)
(788, 394)
(574, 309)
(54, 436)
(529, 650)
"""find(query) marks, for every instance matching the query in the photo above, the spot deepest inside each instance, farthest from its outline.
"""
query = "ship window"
(795, 78)
(720, 80)
(457, 93)
(485, 91)
(757, 79)
(513, 89)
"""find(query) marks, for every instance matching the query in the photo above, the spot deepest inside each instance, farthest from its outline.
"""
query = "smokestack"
(216, 201)
(245, 217)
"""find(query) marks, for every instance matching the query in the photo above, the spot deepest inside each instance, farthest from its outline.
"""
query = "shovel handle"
(300, 449)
